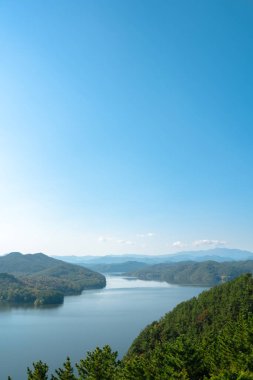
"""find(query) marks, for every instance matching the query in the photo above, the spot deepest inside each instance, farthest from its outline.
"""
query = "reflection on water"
(10, 307)
(115, 282)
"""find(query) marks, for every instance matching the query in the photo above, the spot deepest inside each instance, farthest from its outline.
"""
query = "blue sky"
(125, 126)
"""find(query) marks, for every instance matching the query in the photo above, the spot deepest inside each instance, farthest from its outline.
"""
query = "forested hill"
(206, 273)
(207, 336)
(18, 263)
(38, 277)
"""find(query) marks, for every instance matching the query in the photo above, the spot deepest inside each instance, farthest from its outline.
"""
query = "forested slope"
(206, 336)
(17, 291)
(206, 273)
(39, 279)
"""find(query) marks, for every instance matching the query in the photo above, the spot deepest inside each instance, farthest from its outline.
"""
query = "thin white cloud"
(105, 239)
(110, 239)
(126, 242)
(178, 244)
(148, 234)
(199, 243)
(208, 243)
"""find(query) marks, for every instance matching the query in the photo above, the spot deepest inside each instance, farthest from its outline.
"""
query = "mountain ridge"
(216, 254)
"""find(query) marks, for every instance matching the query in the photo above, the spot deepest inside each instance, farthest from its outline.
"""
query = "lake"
(114, 315)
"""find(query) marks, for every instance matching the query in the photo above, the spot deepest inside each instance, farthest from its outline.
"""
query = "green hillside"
(17, 263)
(39, 279)
(16, 291)
(206, 273)
(208, 336)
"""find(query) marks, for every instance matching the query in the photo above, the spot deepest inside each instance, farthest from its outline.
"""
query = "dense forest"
(208, 337)
(38, 279)
(206, 273)
(16, 291)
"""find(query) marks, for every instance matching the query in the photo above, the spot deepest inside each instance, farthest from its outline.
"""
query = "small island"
(37, 279)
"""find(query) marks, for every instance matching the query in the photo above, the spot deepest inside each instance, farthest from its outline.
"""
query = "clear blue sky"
(125, 126)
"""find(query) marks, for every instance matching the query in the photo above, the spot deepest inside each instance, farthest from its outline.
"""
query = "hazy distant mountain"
(107, 259)
(216, 254)
(128, 266)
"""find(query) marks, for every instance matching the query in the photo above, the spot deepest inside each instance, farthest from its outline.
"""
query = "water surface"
(114, 315)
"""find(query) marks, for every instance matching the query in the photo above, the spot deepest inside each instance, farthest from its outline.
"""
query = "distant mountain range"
(128, 266)
(143, 266)
(216, 254)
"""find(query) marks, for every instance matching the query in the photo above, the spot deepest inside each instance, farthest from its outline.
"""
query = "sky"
(125, 126)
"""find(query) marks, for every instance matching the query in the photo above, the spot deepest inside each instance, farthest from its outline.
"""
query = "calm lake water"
(114, 315)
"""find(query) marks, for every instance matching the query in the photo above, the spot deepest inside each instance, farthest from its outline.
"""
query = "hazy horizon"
(125, 126)
(194, 250)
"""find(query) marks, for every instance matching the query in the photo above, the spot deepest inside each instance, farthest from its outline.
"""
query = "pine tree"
(39, 371)
(100, 364)
(67, 373)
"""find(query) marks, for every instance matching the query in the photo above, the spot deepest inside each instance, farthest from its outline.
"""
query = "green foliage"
(226, 375)
(65, 373)
(101, 364)
(203, 336)
(18, 291)
(39, 371)
(207, 273)
(40, 280)
(133, 368)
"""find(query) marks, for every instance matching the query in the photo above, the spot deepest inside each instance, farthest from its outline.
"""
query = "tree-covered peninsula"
(207, 273)
(208, 337)
(16, 291)
(39, 280)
